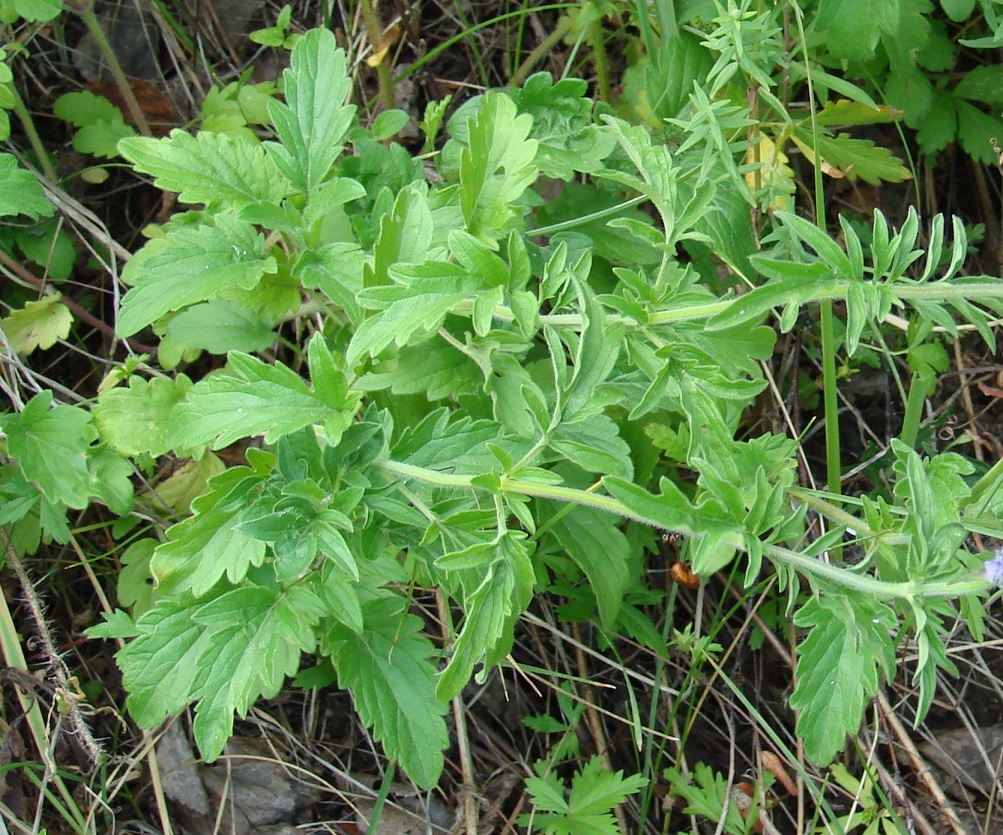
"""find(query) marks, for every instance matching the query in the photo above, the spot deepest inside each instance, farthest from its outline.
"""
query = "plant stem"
(377, 39)
(561, 29)
(599, 55)
(815, 569)
(86, 12)
(14, 658)
(33, 138)
(833, 467)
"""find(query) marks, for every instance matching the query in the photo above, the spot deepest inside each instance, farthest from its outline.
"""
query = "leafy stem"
(815, 569)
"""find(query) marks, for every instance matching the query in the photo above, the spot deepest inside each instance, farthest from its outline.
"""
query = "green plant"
(296, 552)
(428, 397)
(586, 809)
(872, 810)
(710, 798)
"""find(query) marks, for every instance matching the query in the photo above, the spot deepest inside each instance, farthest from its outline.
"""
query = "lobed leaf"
(387, 668)
(189, 265)
(840, 664)
(250, 397)
(314, 119)
(209, 168)
(51, 446)
(222, 653)
(20, 193)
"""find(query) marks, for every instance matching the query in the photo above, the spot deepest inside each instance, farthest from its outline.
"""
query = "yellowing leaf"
(846, 112)
(773, 175)
(39, 324)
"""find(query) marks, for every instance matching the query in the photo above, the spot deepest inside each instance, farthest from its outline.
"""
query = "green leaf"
(595, 445)
(209, 168)
(671, 72)
(191, 265)
(594, 541)
(496, 168)
(405, 235)
(51, 446)
(387, 668)
(842, 23)
(588, 808)
(411, 309)
(100, 124)
(218, 326)
(708, 797)
(39, 324)
(49, 245)
(222, 653)
(840, 664)
(940, 126)
(976, 131)
(314, 119)
(35, 10)
(958, 10)
(569, 140)
(846, 112)
(199, 551)
(861, 158)
(671, 509)
(984, 84)
(490, 614)
(136, 420)
(438, 371)
(20, 193)
(250, 397)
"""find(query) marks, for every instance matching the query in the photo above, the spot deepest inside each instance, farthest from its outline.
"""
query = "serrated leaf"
(569, 140)
(976, 131)
(411, 309)
(438, 371)
(218, 326)
(207, 546)
(588, 807)
(855, 158)
(314, 119)
(595, 445)
(840, 22)
(51, 446)
(490, 614)
(109, 479)
(984, 84)
(708, 798)
(222, 653)
(100, 124)
(39, 324)
(387, 668)
(135, 420)
(671, 509)
(596, 790)
(20, 193)
(671, 72)
(178, 491)
(191, 265)
(846, 112)
(247, 398)
(209, 168)
(497, 167)
(840, 664)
